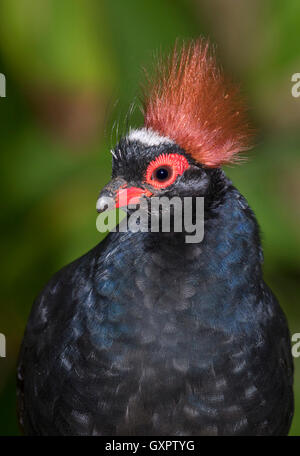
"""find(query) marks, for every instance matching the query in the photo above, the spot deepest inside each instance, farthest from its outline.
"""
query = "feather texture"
(190, 101)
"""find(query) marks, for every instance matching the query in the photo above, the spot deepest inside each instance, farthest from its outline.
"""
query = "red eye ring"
(175, 162)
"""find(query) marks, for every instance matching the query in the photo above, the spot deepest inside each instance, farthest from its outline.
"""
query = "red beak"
(131, 195)
(116, 194)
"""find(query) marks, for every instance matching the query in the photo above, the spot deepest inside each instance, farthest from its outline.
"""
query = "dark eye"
(162, 173)
(164, 169)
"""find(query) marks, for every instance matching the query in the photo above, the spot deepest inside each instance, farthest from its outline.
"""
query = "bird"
(148, 334)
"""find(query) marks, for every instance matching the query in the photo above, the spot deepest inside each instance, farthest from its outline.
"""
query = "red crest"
(191, 102)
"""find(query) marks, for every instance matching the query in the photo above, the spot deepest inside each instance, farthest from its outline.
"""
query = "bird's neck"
(216, 279)
(231, 241)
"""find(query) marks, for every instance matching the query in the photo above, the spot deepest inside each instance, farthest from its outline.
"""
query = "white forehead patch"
(148, 137)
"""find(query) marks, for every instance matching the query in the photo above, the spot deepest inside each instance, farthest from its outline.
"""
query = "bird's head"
(194, 122)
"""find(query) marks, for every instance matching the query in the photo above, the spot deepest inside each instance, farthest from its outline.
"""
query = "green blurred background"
(73, 68)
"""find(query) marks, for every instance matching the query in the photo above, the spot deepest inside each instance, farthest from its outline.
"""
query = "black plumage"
(147, 334)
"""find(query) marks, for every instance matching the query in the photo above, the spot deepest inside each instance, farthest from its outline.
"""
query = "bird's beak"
(117, 194)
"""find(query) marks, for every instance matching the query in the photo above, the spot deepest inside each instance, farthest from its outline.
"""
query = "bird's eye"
(164, 170)
(162, 173)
